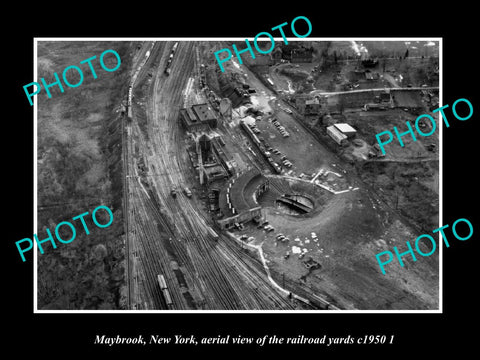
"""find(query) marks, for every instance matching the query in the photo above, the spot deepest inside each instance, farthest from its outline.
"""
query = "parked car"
(187, 192)
(268, 228)
(239, 226)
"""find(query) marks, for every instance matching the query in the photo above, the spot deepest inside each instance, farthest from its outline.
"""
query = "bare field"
(350, 229)
(370, 123)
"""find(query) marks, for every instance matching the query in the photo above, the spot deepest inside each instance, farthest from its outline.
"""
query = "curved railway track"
(168, 231)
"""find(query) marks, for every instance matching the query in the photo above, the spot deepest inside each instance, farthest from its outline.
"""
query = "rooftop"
(203, 112)
(313, 101)
(241, 192)
(344, 128)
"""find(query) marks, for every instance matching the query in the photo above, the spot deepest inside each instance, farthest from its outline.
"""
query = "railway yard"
(236, 197)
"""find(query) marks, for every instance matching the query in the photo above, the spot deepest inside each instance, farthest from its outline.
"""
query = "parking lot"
(292, 147)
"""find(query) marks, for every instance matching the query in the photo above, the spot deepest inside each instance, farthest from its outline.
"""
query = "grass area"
(79, 168)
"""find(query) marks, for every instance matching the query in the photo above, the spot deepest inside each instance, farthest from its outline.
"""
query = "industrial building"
(346, 129)
(341, 132)
(213, 164)
(238, 200)
(336, 135)
(198, 118)
(244, 123)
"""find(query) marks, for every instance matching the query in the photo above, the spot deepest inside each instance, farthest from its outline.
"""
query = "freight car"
(165, 292)
(170, 58)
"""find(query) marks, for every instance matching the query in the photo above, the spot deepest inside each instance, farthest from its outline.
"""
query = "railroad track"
(219, 274)
(129, 189)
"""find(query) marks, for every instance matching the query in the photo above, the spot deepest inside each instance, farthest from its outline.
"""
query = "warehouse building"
(341, 132)
(198, 118)
(346, 129)
(336, 135)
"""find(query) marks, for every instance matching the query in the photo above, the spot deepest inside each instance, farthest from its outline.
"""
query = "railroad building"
(198, 118)
(212, 166)
(238, 200)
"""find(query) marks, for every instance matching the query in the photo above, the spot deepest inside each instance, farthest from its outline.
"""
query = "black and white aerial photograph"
(255, 185)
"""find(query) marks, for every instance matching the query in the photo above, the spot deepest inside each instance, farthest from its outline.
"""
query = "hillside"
(79, 168)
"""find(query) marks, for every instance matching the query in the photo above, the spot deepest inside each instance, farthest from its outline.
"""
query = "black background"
(60, 335)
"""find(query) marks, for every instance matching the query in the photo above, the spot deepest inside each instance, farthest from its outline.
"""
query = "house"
(276, 55)
(292, 53)
(312, 107)
(302, 54)
(371, 75)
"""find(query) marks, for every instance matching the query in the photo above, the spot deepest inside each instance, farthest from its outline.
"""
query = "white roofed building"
(336, 135)
(346, 129)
